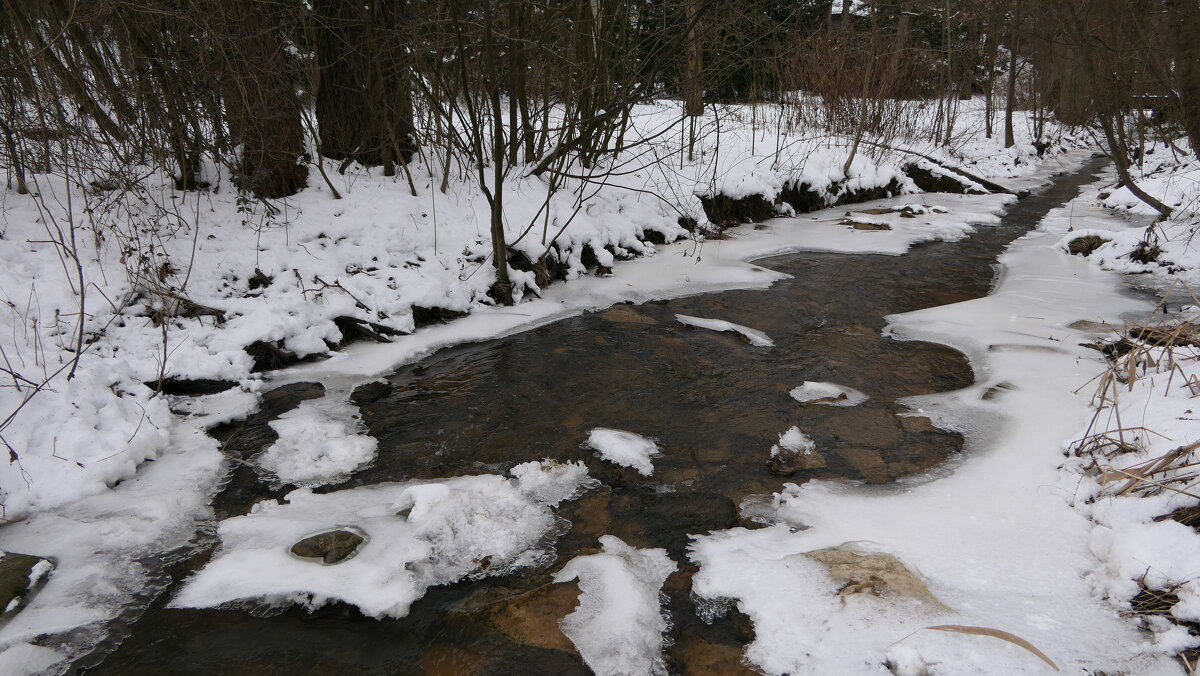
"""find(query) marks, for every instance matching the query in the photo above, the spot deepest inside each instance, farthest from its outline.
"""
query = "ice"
(624, 448)
(795, 441)
(831, 394)
(454, 529)
(550, 482)
(619, 624)
(753, 336)
(317, 444)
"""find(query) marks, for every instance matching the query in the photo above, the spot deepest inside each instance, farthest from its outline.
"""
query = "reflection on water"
(714, 403)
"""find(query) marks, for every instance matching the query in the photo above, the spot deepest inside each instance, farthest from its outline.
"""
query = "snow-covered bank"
(997, 540)
(1162, 254)
(181, 284)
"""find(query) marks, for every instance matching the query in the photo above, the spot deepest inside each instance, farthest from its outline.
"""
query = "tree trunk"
(261, 105)
(1184, 24)
(1010, 100)
(364, 98)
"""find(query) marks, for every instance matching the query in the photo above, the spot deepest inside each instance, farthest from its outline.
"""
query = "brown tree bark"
(1184, 19)
(262, 109)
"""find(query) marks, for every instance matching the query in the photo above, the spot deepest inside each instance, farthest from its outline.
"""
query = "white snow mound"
(624, 448)
(618, 626)
(753, 336)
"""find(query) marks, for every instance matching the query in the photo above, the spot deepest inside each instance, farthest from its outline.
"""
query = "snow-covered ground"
(82, 491)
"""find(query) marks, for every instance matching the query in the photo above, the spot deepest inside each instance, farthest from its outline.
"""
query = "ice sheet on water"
(420, 534)
(550, 482)
(753, 336)
(619, 623)
(827, 393)
(624, 448)
(318, 443)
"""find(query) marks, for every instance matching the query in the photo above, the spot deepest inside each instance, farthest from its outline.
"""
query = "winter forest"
(617, 337)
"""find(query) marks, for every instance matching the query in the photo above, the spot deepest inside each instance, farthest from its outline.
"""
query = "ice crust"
(624, 448)
(753, 336)
(839, 395)
(619, 624)
(420, 534)
(318, 444)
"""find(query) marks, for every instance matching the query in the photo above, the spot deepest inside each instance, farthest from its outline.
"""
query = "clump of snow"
(619, 624)
(550, 482)
(624, 448)
(317, 444)
(827, 393)
(753, 336)
(419, 535)
(795, 441)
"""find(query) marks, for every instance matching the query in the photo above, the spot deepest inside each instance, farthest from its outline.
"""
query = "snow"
(454, 529)
(830, 394)
(109, 478)
(753, 336)
(106, 548)
(624, 448)
(619, 624)
(795, 441)
(996, 538)
(317, 444)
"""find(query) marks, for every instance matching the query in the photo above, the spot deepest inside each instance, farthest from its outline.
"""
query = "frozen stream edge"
(996, 539)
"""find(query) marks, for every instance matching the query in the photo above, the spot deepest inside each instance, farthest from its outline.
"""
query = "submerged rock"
(533, 617)
(330, 547)
(20, 576)
(368, 393)
(881, 575)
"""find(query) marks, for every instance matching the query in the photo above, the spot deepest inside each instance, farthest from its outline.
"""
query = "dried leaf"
(996, 633)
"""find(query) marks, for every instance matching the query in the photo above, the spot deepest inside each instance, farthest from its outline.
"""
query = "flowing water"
(714, 403)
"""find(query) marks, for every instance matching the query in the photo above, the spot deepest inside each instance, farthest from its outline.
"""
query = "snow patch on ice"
(619, 624)
(753, 336)
(624, 448)
(831, 394)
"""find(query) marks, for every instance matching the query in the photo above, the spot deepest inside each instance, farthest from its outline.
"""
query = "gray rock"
(330, 547)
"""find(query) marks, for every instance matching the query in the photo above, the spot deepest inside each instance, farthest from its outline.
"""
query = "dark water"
(715, 405)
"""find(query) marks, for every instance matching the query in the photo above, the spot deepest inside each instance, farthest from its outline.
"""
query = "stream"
(714, 404)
